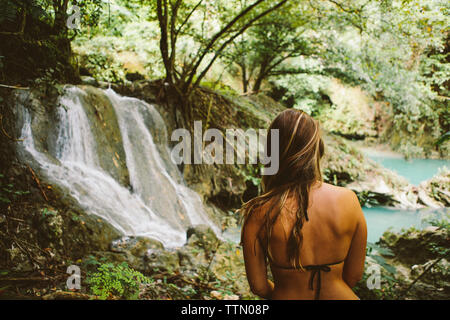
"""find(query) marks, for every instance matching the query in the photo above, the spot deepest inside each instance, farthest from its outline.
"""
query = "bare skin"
(336, 231)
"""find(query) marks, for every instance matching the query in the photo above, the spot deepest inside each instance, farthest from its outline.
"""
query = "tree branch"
(422, 274)
(225, 44)
(217, 36)
(188, 17)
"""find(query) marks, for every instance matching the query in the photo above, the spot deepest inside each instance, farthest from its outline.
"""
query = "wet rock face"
(89, 233)
(104, 127)
(222, 185)
(106, 131)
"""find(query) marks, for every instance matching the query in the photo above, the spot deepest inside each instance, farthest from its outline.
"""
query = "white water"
(158, 205)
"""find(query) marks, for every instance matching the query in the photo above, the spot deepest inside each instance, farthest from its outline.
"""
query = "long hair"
(300, 148)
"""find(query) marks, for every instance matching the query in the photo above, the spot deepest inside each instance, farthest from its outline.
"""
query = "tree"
(174, 20)
(40, 27)
(262, 50)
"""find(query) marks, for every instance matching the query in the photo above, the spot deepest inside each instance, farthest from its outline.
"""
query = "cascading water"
(155, 204)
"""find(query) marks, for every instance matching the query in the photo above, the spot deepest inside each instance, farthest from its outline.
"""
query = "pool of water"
(414, 170)
(378, 220)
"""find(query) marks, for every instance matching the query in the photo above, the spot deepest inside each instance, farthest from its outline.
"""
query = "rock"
(199, 248)
(19, 261)
(90, 81)
(436, 274)
(431, 229)
(134, 76)
(202, 236)
(427, 200)
(104, 85)
(137, 246)
(87, 233)
(352, 114)
(201, 231)
(216, 295)
(85, 72)
(107, 134)
(435, 192)
(142, 253)
(416, 246)
(159, 259)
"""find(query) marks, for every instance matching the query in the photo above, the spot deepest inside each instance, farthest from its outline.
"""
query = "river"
(379, 219)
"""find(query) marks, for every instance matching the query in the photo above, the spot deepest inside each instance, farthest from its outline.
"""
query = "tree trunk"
(162, 11)
(258, 81)
(244, 78)
(60, 22)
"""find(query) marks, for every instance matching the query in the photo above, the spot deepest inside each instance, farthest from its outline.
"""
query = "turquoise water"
(379, 219)
(414, 170)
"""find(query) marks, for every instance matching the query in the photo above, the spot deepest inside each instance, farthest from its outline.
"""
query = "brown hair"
(301, 148)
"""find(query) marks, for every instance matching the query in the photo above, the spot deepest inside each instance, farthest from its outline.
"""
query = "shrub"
(116, 280)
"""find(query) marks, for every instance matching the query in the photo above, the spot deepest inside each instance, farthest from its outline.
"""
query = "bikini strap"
(316, 271)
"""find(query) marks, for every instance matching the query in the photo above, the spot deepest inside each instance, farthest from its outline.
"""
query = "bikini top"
(315, 271)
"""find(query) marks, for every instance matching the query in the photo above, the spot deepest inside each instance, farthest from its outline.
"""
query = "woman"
(312, 234)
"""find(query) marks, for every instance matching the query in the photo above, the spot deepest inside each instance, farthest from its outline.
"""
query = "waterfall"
(155, 204)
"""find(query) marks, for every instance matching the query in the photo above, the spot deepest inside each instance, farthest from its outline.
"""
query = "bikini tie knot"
(316, 271)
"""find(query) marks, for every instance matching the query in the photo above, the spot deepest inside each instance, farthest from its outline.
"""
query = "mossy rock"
(416, 246)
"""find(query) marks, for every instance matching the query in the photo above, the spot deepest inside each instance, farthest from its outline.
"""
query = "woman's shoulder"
(339, 193)
(343, 200)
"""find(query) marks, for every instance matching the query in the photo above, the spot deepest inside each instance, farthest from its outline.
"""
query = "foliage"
(391, 57)
(45, 213)
(123, 41)
(116, 280)
(231, 21)
(441, 223)
(103, 67)
(306, 90)
(9, 193)
(396, 50)
(261, 51)
(252, 174)
(367, 199)
(375, 258)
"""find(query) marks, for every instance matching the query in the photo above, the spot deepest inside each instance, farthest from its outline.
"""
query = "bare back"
(336, 232)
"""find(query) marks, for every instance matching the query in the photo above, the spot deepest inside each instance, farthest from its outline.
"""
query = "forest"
(91, 92)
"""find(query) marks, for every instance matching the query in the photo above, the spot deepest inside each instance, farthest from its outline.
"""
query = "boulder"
(88, 80)
(416, 246)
